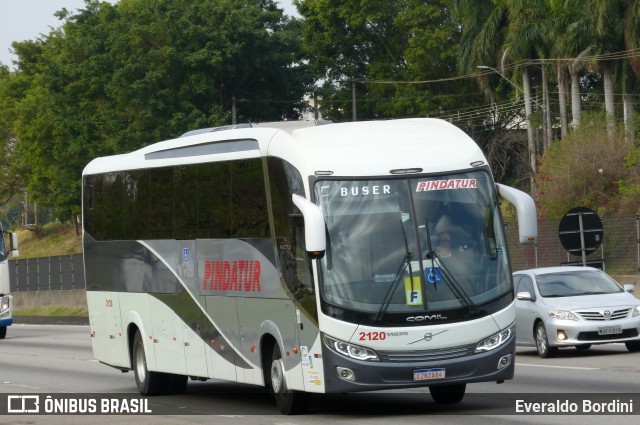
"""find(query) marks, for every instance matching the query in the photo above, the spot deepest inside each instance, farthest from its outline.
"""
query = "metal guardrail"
(64, 272)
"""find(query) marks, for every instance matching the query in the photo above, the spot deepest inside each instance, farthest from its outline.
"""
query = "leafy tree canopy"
(587, 168)
(114, 78)
(385, 48)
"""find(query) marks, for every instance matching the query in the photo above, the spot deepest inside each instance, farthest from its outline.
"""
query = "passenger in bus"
(455, 247)
(443, 248)
(450, 238)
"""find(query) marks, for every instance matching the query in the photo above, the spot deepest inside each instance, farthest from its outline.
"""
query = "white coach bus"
(308, 260)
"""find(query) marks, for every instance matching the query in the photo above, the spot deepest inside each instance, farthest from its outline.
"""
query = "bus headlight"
(495, 341)
(350, 350)
(4, 304)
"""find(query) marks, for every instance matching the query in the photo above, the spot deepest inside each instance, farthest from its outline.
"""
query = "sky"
(31, 19)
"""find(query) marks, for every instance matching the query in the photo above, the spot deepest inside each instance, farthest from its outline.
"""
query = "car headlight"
(636, 311)
(350, 350)
(495, 341)
(562, 315)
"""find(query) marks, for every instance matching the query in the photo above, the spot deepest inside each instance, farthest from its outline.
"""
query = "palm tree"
(616, 24)
(571, 31)
(526, 40)
(484, 26)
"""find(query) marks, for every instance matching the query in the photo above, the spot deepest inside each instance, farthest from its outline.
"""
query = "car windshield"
(412, 245)
(575, 283)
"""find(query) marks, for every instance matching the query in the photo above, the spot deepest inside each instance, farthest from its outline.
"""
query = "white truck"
(6, 301)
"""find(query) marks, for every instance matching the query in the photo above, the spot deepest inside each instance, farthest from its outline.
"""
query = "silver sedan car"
(574, 306)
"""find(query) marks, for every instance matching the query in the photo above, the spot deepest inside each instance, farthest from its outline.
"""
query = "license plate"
(428, 374)
(610, 330)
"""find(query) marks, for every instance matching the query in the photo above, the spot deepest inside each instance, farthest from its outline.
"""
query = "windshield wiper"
(432, 256)
(453, 282)
(406, 261)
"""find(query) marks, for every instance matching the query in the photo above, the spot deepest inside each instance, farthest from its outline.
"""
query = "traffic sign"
(581, 232)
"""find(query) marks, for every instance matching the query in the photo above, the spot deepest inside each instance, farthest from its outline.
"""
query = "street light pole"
(502, 75)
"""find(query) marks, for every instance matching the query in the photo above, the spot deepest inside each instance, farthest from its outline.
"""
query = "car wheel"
(633, 346)
(542, 342)
(583, 347)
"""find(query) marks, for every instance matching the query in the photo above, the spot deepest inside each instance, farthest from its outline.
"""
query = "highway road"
(57, 359)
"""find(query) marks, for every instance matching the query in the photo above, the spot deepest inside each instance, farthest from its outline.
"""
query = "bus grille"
(426, 355)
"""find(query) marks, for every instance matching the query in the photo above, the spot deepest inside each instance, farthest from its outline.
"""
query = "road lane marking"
(557, 367)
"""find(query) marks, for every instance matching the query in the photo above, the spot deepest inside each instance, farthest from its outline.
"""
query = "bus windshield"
(3, 249)
(413, 245)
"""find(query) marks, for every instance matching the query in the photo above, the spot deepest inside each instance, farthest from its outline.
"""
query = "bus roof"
(364, 148)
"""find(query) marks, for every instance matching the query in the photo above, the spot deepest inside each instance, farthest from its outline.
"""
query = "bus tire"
(3, 332)
(289, 402)
(448, 394)
(175, 384)
(148, 383)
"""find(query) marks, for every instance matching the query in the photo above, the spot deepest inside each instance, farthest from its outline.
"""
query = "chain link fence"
(619, 251)
(64, 272)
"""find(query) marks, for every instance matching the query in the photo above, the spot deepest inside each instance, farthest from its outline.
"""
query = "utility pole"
(233, 110)
(353, 99)
(316, 114)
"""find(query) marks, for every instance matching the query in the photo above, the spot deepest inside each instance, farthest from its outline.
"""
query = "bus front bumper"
(495, 365)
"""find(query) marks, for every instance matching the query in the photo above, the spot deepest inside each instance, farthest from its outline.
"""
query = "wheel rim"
(277, 376)
(542, 339)
(141, 364)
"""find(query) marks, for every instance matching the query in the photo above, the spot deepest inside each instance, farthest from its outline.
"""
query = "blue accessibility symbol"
(433, 275)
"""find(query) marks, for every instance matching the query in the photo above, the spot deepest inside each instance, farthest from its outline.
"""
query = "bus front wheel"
(289, 402)
(448, 394)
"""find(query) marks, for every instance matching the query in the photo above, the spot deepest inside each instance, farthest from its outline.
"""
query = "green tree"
(616, 27)
(117, 77)
(586, 169)
(374, 45)
(10, 182)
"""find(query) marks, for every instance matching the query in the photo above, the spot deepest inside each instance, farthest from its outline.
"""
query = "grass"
(48, 240)
(52, 311)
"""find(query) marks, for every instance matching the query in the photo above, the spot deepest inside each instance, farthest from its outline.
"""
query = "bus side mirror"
(13, 244)
(526, 210)
(314, 226)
